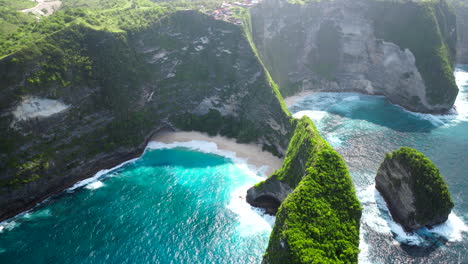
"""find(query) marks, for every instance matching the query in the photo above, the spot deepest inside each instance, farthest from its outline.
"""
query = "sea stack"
(415, 192)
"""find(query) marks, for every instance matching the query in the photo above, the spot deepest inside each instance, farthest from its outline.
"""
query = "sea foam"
(93, 182)
(378, 218)
(251, 220)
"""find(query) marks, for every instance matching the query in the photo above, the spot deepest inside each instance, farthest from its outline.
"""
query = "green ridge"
(319, 221)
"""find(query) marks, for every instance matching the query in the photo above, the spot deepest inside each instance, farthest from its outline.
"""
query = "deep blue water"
(363, 128)
(170, 206)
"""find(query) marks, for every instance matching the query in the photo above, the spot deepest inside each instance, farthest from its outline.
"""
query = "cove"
(362, 129)
(172, 205)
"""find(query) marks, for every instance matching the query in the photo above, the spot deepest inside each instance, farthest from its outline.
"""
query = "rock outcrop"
(318, 203)
(101, 96)
(413, 189)
(351, 46)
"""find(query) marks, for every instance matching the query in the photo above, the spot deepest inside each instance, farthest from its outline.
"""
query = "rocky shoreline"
(84, 171)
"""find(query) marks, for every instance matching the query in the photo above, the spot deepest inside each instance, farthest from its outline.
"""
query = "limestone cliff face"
(461, 9)
(415, 193)
(83, 100)
(334, 46)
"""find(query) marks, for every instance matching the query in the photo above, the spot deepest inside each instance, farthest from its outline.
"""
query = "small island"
(415, 192)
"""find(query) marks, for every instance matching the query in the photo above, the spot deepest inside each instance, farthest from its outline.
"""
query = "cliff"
(318, 219)
(88, 97)
(403, 50)
(461, 10)
(413, 188)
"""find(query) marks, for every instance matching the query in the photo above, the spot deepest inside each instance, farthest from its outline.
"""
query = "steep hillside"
(461, 9)
(86, 98)
(318, 219)
(357, 46)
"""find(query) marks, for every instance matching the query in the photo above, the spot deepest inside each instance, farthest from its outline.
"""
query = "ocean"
(178, 203)
(185, 202)
(362, 128)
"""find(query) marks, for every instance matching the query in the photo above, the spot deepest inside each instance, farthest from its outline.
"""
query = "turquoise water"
(170, 206)
(363, 128)
(180, 205)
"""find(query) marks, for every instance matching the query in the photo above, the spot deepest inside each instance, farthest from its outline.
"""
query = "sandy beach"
(251, 152)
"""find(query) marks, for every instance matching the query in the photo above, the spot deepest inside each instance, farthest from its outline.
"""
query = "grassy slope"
(423, 28)
(319, 221)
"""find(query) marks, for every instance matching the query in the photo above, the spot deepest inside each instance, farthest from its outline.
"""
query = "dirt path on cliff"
(43, 8)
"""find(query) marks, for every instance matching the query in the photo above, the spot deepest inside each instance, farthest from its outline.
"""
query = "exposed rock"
(413, 188)
(268, 195)
(333, 46)
(318, 203)
(33, 107)
(141, 81)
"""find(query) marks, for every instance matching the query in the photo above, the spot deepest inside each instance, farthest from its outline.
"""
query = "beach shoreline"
(251, 153)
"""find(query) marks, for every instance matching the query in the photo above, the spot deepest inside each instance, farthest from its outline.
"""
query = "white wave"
(334, 140)
(250, 222)
(461, 103)
(461, 77)
(8, 225)
(378, 218)
(316, 116)
(37, 214)
(452, 229)
(363, 257)
(95, 185)
(371, 215)
(212, 148)
(92, 180)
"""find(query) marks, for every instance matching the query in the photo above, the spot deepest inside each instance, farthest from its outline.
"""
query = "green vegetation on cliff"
(125, 72)
(431, 193)
(319, 221)
(425, 29)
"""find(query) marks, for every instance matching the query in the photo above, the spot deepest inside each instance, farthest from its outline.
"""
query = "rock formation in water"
(401, 49)
(318, 207)
(413, 188)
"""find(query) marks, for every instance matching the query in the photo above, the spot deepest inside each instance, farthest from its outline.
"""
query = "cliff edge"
(403, 50)
(318, 217)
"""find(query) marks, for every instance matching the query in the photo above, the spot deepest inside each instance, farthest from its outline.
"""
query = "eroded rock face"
(332, 46)
(413, 189)
(462, 29)
(269, 195)
(187, 71)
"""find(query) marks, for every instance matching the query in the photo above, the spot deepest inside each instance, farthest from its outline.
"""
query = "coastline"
(252, 153)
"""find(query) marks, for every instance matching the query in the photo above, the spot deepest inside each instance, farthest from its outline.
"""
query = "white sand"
(291, 100)
(251, 152)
